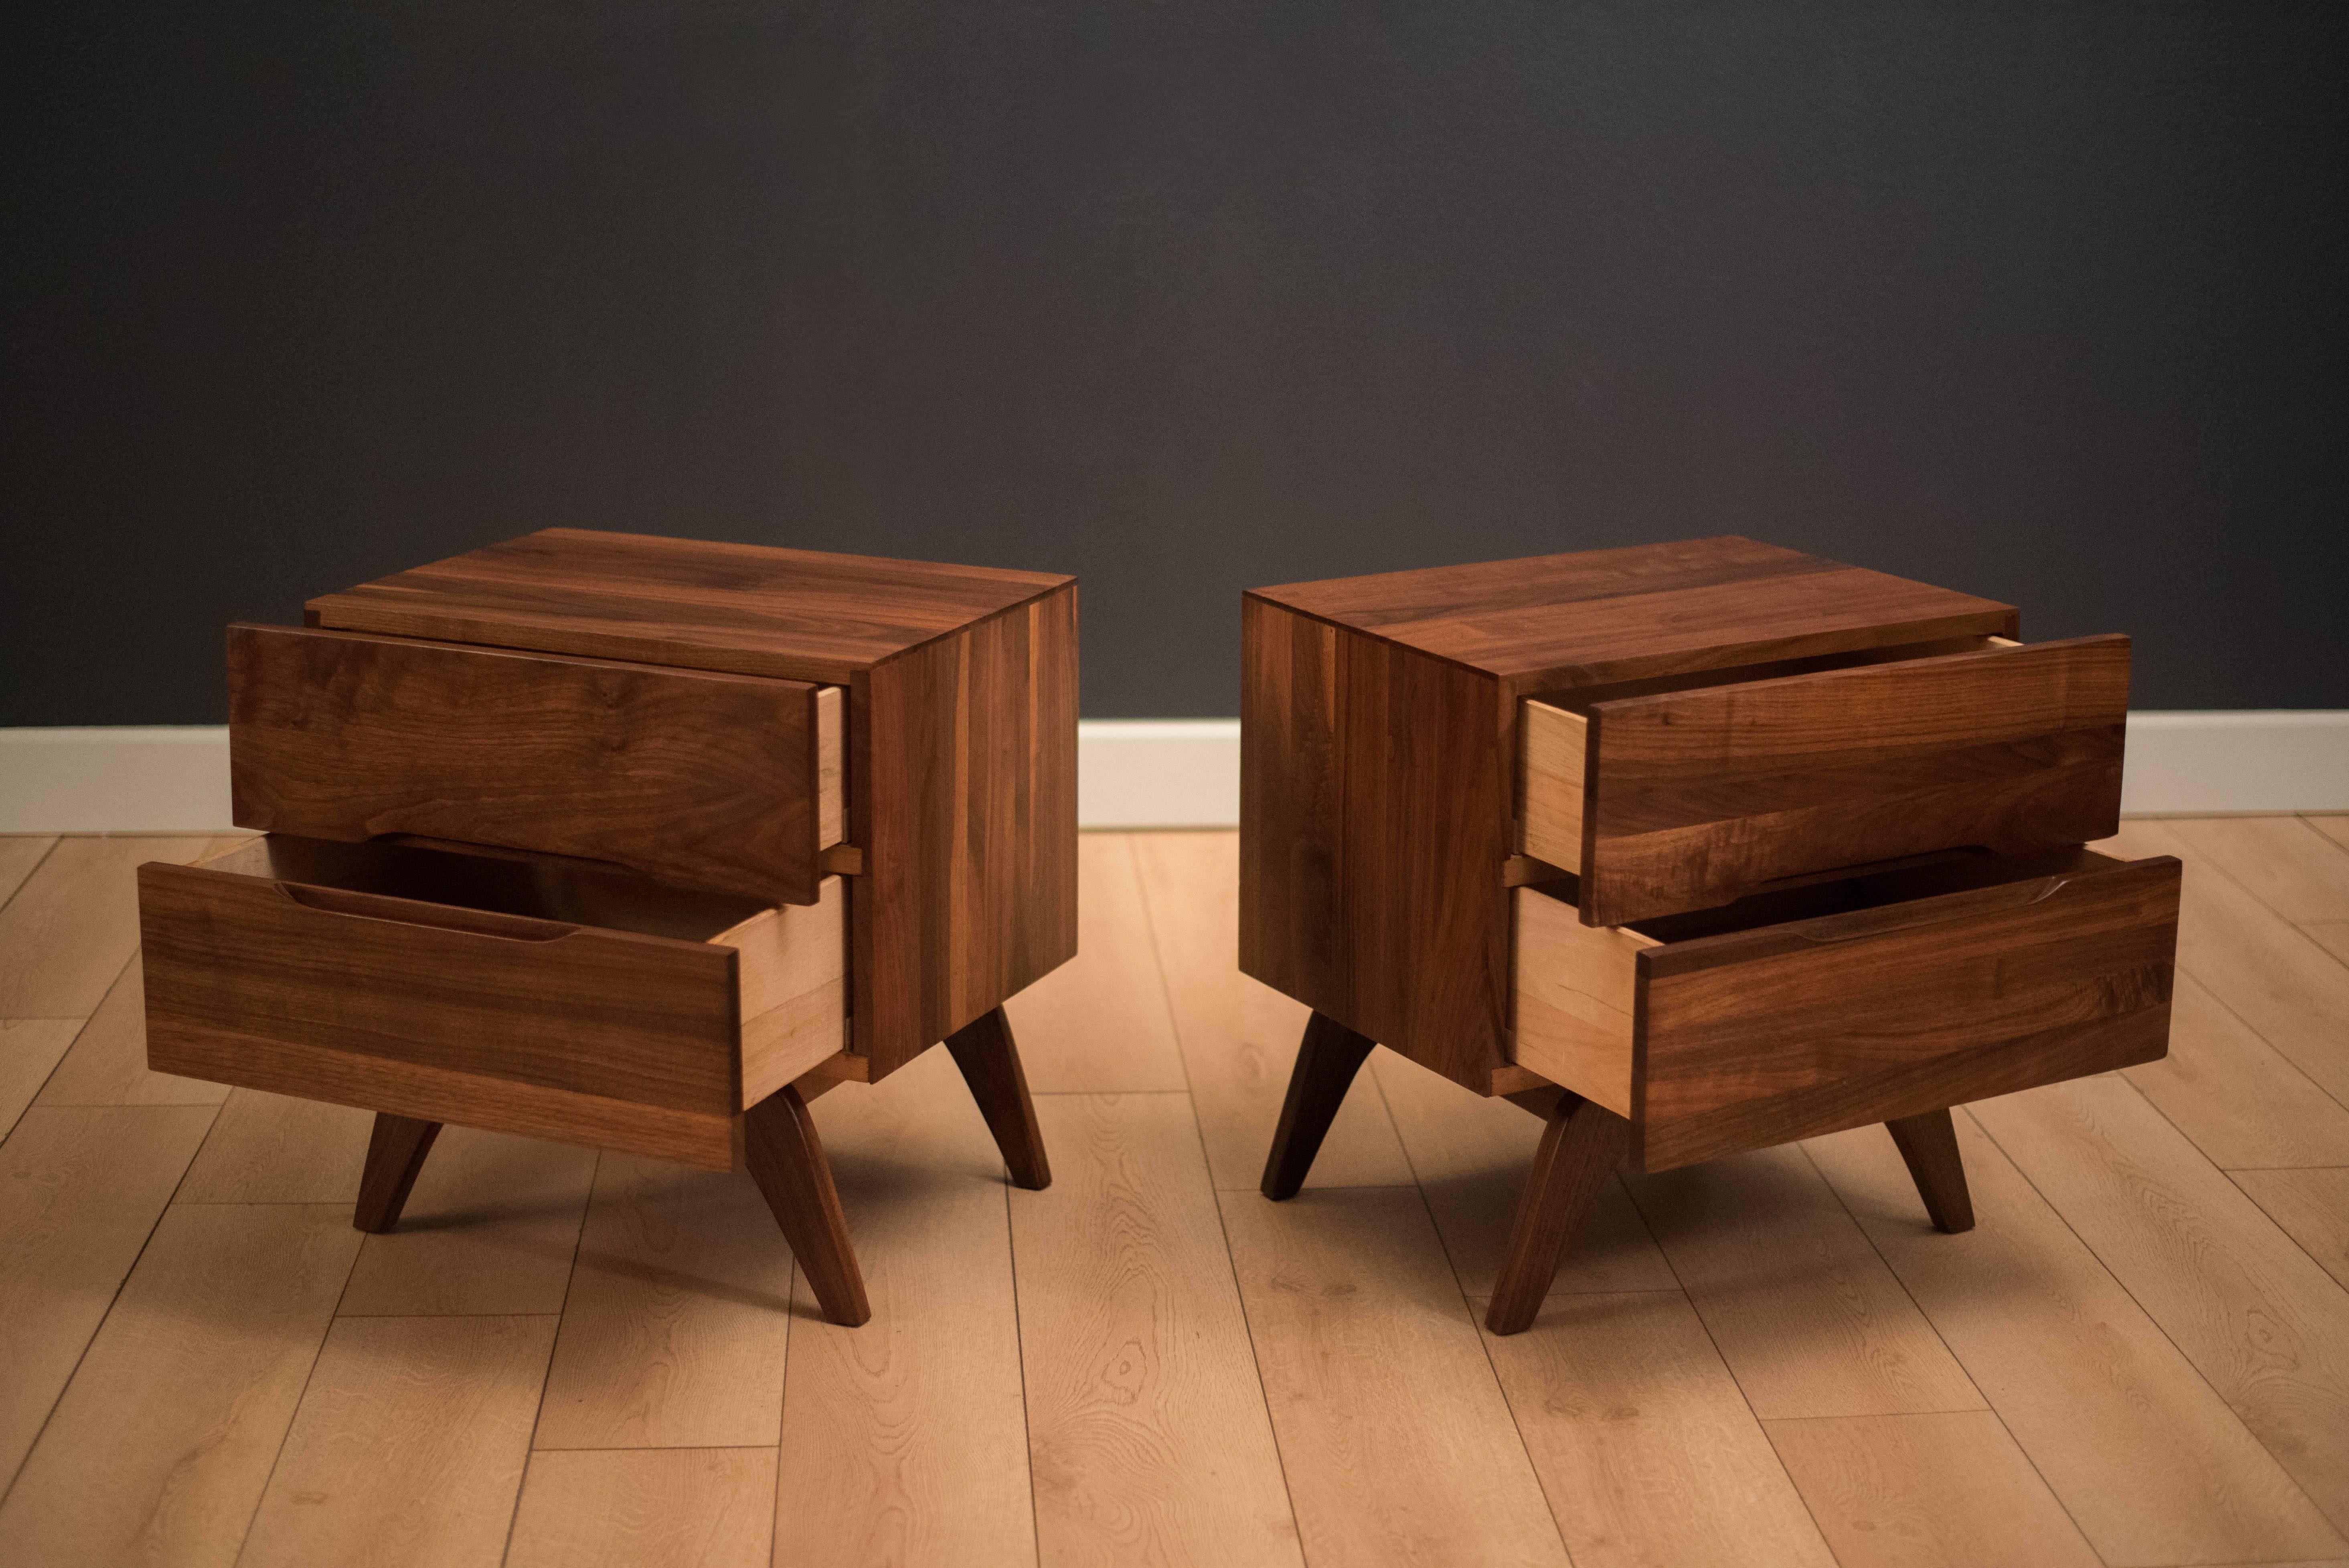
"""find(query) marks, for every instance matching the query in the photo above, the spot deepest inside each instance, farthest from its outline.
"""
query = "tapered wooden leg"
(396, 1151)
(989, 1061)
(1580, 1148)
(1327, 1060)
(786, 1160)
(1929, 1145)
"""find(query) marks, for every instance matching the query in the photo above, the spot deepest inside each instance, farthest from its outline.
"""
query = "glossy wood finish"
(1696, 798)
(785, 1157)
(1374, 792)
(1327, 1060)
(690, 777)
(395, 1158)
(988, 1060)
(1929, 1147)
(1581, 1147)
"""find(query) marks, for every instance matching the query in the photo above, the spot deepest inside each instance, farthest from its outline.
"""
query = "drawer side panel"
(1759, 1038)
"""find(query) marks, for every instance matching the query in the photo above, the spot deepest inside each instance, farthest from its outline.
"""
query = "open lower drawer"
(514, 994)
(1838, 1003)
(1688, 792)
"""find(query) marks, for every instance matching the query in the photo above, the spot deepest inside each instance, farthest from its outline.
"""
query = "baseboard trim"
(1148, 772)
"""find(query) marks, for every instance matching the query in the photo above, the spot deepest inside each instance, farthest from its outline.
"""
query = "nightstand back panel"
(692, 778)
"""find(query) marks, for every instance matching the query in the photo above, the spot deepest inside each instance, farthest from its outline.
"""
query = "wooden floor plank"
(107, 1064)
(1928, 1491)
(2333, 935)
(1649, 1453)
(19, 853)
(905, 1442)
(646, 1508)
(273, 1148)
(2260, 1319)
(80, 1190)
(1146, 1422)
(73, 924)
(1805, 1313)
(2312, 1208)
(30, 1050)
(677, 1318)
(1239, 1038)
(2333, 825)
(1471, 1153)
(2286, 863)
(1397, 1442)
(2269, 972)
(408, 1446)
(1099, 1023)
(2224, 1087)
(491, 1227)
(210, 1343)
(2144, 1455)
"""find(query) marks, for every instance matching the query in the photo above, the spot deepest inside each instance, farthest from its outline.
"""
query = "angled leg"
(396, 1151)
(983, 1050)
(786, 1160)
(1929, 1145)
(1327, 1060)
(1579, 1150)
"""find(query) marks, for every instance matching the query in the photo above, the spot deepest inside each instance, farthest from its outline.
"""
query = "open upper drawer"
(502, 991)
(727, 782)
(1686, 793)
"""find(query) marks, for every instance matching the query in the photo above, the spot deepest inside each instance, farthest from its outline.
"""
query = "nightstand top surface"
(751, 609)
(1651, 609)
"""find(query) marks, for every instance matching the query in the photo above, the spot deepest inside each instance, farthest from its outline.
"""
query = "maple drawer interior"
(2058, 959)
(1689, 790)
(422, 973)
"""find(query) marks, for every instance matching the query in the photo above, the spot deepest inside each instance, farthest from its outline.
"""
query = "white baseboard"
(1146, 773)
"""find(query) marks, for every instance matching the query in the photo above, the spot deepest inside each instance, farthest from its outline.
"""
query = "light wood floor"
(2139, 1357)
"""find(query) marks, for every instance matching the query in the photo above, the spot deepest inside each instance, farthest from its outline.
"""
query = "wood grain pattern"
(1649, 1456)
(1356, 1317)
(646, 1508)
(1582, 1143)
(1239, 1036)
(675, 1328)
(1552, 751)
(267, 1147)
(1602, 616)
(108, 1063)
(19, 853)
(797, 615)
(1698, 797)
(2286, 863)
(1100, 1024)
(1328, 1057)
(210, 1344)
(1929, 1147)
(785, 1157)
(1926, 1492)
(1469, 1153)
(965, 757)
(1803, 1309)
(2234, 1094)
(396, 1151)
(1146, 1423)
(2312, 1207)
(408, 1446)
(1374, 788)
(905, 1442)
(490, 1228)
(74, 924)
(2254, 1312)
(2148, 1460)
(79, 1191)
(793, 974)
(1751, 1038)
(988, 1060)
(1574, 995)
(690, 777)
(30, 1050)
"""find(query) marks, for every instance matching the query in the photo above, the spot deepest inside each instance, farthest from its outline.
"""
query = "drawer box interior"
(1842, 1002)
(1691, 791)
(502, 991)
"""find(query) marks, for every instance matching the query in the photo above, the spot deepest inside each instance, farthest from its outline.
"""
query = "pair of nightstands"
(639, 843)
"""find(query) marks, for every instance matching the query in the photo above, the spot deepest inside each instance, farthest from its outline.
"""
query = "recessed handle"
(431, 916)
(2031, 893)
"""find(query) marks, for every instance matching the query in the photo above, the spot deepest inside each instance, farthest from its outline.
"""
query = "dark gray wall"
(2041, 301)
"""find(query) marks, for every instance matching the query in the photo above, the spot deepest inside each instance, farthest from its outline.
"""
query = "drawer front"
(1756, 1037)
(708, 780)
(1687, 799)
(486, 1019)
